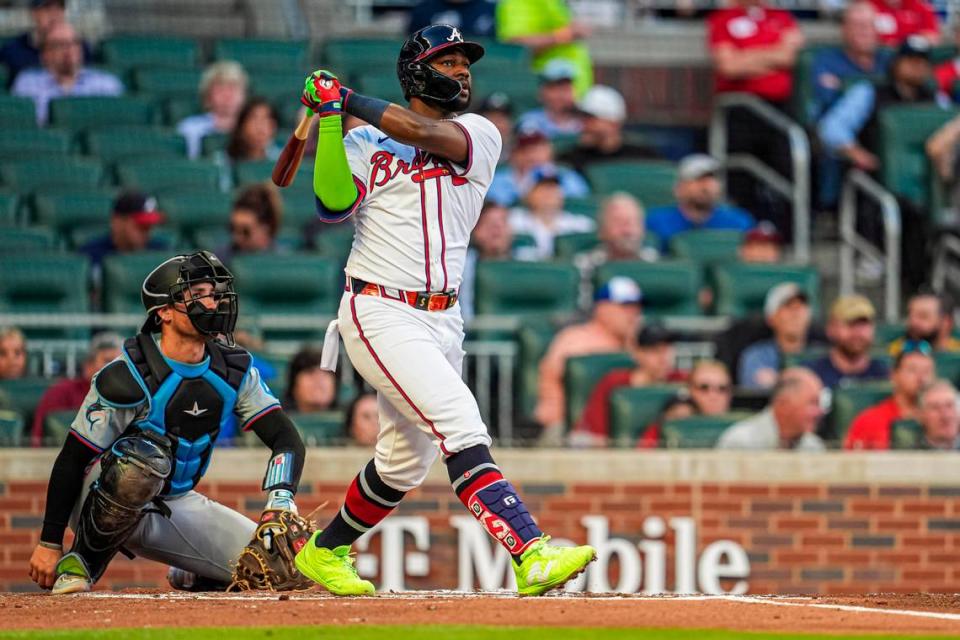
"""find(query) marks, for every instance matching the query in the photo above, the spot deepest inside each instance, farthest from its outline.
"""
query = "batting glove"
(321, 94)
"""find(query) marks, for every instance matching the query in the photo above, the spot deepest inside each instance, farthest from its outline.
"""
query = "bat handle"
(303, 129)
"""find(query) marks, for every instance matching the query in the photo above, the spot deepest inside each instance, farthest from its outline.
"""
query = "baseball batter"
(125, 477)
(414, 180)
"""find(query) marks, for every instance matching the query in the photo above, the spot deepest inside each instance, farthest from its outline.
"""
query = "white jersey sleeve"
(254, 399)
(98, 423)
(358, 153)
(483, 150)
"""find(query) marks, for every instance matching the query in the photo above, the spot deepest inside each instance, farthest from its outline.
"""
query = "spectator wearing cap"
(474, 18)
(655, 356)
(63, 73)
(491, 239)
(23, 51)
(223, 92)
(913, 370)
(613, 321)
(787, 310)
(754, 48)
(897, 20)
(929, 318)
(531, 149)
(851, 330)
(498, 109)
(698, 205)
(13, 353)
(548, 29)
(859, 55)
(761, 245)
(602, 138)
(939, 417)
(621, 233)
(68, 394)
(543, 216)
(559, 115)
(788, 423)
(133, 218)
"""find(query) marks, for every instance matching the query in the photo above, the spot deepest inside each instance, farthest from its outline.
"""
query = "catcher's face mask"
(205, 288)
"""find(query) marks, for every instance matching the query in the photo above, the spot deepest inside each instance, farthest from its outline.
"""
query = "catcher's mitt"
(266, 563)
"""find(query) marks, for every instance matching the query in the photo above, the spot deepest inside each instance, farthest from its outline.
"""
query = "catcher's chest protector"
(191, 404)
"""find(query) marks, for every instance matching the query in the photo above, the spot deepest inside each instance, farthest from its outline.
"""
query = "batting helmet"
(167, 283)
(419, 79)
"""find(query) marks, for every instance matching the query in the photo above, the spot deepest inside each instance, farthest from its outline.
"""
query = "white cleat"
(72, 576)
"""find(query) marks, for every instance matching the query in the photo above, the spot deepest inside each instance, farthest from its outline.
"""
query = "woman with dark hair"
(254, 221)
(309, 388)
(362, 422)
(253, 139)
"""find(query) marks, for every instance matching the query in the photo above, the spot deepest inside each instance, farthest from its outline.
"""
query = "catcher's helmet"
(419, 79)
(167, 283)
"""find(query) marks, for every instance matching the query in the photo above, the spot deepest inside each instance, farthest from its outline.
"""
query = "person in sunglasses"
(913, 370)
(254, 222)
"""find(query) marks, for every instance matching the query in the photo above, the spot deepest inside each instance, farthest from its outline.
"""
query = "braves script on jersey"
(417, 211)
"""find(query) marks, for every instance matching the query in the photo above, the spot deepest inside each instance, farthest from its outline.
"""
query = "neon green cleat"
(332, 569)
(72, 576)
(544, 567)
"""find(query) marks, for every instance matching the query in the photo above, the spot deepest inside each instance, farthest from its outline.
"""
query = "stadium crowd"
(780, 379)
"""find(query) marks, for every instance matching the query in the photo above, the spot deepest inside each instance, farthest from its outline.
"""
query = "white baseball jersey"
(417, 211)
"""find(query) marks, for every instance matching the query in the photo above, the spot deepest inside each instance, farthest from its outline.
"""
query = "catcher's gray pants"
(200, 535)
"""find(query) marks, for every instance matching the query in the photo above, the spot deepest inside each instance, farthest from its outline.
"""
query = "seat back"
(56, 427)
(123, 276)
(177, 174)
(12, 432)
(191, 210)
(46, 283)
(670, 287)
(849, 401)
(264, 54)
(320, 428)
(707, 246)
(568, 245)
(17, 112)
(650, 181)
(26, 240)
(25, 394)
(32, 175)
(134, 143)
(632, 409)
(21, 142)
(697, 432)
(581, 375)
(525, 288)
(906, 434)
(288, 283)
(102, 111)
(534, 337)
(66, 210)
(742, 288)
(163, 83)
(129, 51)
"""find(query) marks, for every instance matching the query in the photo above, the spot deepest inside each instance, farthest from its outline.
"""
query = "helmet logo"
(455, 36)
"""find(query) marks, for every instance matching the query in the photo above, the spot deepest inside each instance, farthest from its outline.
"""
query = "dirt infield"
(891, 614)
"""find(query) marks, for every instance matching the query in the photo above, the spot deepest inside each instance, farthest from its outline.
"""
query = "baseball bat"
(285, 169)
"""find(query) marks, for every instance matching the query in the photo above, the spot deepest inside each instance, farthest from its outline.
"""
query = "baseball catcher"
(142, 440)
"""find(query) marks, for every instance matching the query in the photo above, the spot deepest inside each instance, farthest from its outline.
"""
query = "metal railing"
(796, 191)
(852, 243)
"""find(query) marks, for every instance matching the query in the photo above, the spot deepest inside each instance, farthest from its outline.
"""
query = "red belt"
(423, 300)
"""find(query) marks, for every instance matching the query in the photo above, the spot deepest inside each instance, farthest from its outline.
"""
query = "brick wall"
(800, 538)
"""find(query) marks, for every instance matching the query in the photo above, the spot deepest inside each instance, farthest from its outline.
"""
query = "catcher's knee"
(134, 470)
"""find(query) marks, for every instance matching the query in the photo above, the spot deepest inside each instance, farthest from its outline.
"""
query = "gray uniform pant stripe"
(469, 474)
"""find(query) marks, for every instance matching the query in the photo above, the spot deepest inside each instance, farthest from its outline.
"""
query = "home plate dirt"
(890, 614)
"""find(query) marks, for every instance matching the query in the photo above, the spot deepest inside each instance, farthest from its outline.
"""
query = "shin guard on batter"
(491, 499)
(133, 472)
(368, 501)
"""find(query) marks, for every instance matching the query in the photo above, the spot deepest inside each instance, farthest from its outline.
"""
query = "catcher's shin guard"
(132, 474)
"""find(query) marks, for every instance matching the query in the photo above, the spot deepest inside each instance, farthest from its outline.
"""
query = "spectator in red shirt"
(913, 370)
(754, 48)
(898, 19)
(948, 73)
(654, 354)
(68, 395)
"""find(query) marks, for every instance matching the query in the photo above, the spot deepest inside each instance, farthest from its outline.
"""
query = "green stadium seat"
(887, 332)
(355, 56)
(17, 112)
(56, 427)
(12, 433)
(4, 73)
(525, 288)
(906, 434)
(942, 53)
(707, 246)
(89, 112)
(632, 409)
(44, 284)
(742, 288)
(253, 171)
(9, 205)
(851, 400)
(189, 211)
(167, 83)
(321, 428)
(802, 106)
(139, 50)
(948, 365)
(521, 85)
(650, 181)
(66, 210)
(697, 432)
(299, 204)
(214, 143)
(266, 55)
(383, 86)
(212, 238)
(334, 241)
(26, 239)
(567, 246)
(588, 206)
(31, 175)
(25, 394)
(523, 241)
(134, 143)
(534, 337)
(176, 109)
(288, 283)
(904, 166)
(581, 375)
(172, 174)
(19, 142)
(280, 363)
(123, 276)
(670, 288)
(278, 86)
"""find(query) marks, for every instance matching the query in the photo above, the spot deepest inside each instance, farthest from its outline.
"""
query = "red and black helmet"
(419, 79)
